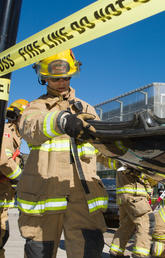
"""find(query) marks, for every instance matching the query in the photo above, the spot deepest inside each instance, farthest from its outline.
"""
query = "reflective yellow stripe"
(120, 146)
(54, 204)
(142, 176)
(112, 163)
(130, 190)
(7, 203)
(162, 214)
(64, 145)
(141, 251)
(87, 149)
(159, 247)
(149, 190)
(158, 237)
(98, 203)
(162, 175)
(117, 249)
(48, 126)
(53, 145)
(15, 173)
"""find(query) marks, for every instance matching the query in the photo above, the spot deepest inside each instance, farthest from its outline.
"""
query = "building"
(123, 107)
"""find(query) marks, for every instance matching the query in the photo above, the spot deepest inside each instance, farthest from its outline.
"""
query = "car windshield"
(109, 182)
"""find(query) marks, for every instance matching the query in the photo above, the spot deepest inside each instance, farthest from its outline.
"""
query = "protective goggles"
(53, 79)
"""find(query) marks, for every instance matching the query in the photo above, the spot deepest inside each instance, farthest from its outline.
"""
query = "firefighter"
(59, 189)
(10, 167)
(136, 216)
(158, 246)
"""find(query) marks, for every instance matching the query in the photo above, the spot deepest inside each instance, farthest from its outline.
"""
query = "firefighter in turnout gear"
(158, 246)
(136, 216)
(59, 189)
(10, 167)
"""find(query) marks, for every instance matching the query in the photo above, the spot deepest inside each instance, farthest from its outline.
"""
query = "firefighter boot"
(148, 256)
(2, 253)
(118, 256)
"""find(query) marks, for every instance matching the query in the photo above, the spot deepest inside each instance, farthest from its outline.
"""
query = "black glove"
(21, 163)
(76, 126)
(15, 181)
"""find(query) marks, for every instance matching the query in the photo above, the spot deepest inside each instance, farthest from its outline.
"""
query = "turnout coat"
(55, 158)
(9, 167)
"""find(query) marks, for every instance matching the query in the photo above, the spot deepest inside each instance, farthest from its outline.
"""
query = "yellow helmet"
(62, 64)
(16, 108)
(19, 104)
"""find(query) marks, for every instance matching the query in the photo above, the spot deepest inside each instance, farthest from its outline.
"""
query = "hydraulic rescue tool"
(139, 143)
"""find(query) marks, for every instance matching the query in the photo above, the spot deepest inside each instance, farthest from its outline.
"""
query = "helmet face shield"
(63, 64)
(12, 115)
(58, 67)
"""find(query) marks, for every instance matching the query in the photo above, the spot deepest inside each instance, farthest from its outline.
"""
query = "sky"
(121, 61)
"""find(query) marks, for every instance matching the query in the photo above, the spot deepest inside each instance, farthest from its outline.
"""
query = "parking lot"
(15, 244)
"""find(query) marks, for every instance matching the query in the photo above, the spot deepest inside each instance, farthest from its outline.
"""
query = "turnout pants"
(136, 218)
(4, 230)
(158, 248)
(83, 232)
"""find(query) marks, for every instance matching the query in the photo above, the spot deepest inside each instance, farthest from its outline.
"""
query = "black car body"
(112, 213)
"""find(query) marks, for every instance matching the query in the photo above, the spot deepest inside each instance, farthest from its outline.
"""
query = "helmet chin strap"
(42, 82)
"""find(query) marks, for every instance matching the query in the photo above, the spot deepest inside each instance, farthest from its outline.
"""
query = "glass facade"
(122, 108)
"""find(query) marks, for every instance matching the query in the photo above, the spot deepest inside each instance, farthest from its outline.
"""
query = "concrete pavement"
(15, 245)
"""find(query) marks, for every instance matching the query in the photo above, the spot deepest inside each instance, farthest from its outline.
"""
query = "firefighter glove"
(21, 163)
(76, 126)
(15, 181)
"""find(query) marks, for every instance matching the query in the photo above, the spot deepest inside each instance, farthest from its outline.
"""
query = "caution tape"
(98, 19)
(4, 89)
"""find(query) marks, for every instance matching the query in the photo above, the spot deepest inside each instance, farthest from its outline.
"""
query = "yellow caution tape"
(91, 22)
(4, 89)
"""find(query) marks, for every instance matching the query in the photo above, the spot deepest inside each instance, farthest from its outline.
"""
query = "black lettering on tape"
(75, 26)
(22, 53)
(99, 15)
(29, 50)
(51, 40)
(46, 43)
(1, 66)
(84, 22)
(1, 88)
(141, 1)
(11, 62)
(60, 37)
(112, 10)
(111, 7)
(57, 38)
(120, 3)
(65, 34)
(32, 50)
(5, 62)
(35, 46)
(25, 52)
(8, 88)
